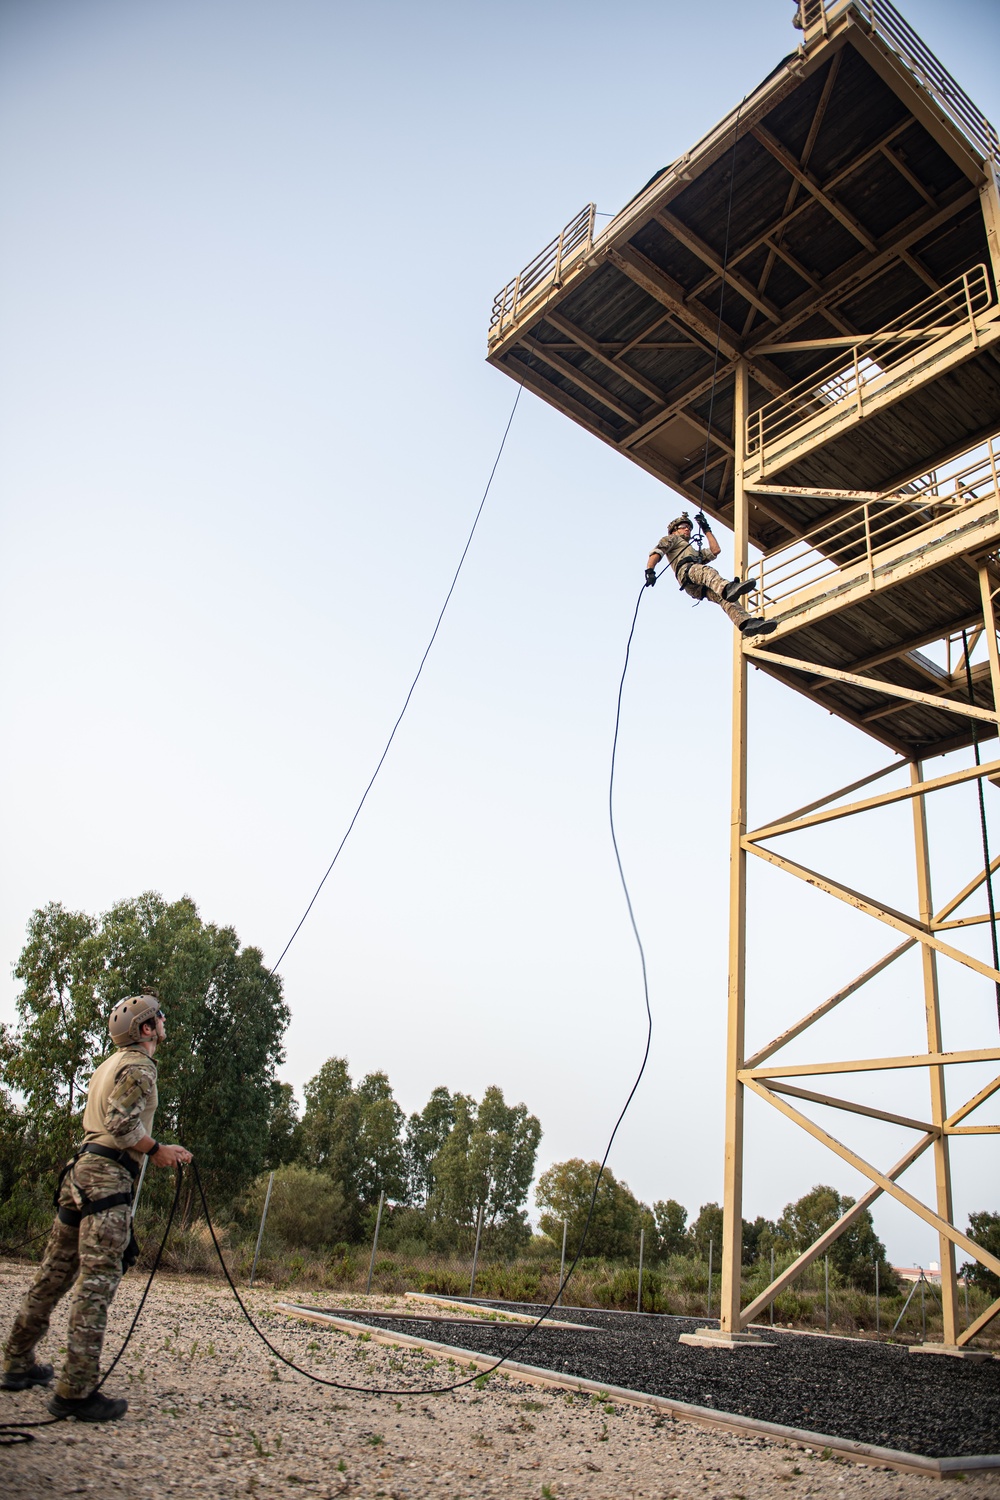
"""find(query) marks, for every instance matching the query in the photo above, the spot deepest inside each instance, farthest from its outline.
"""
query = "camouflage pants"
(701, 576)
(87, 1258)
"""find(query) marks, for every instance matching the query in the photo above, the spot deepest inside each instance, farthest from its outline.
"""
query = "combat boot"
(758, 627)
(92, 1408)
(20, 1380)
(736, 589)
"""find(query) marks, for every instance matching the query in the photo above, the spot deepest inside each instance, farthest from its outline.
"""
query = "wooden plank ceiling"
(842, 211)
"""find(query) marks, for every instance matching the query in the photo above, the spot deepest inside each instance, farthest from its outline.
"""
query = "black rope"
(456, 1385)
(15, 1433)
(406, 701)
(982, 823)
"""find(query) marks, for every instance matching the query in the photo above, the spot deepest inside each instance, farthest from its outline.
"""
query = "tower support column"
(939, 1111)
(729, 1333)
(732, 1231)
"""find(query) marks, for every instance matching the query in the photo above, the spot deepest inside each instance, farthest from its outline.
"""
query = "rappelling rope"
(520, 1342)
(409, 695)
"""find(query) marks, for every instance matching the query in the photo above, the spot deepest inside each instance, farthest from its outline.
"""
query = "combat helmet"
(682, 520)
(128, 1015)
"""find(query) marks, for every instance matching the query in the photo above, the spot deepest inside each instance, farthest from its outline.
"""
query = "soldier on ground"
(93, 1227)
(697, 578)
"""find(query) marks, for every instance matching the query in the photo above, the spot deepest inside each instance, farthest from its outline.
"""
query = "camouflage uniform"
(696, 577)
(88, 1257)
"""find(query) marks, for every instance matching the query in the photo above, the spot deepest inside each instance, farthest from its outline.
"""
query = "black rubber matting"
(865, 1391)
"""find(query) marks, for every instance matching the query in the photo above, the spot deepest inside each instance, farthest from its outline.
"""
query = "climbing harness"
(73, 1216)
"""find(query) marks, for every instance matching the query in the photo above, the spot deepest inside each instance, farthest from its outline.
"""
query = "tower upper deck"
(836, 238)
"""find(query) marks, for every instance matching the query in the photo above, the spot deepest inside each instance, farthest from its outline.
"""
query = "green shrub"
(307, 1209)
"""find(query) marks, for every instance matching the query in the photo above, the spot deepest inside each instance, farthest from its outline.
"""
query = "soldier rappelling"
(697, 578)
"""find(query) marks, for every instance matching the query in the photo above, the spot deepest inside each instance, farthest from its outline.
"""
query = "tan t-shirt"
(121, 1100)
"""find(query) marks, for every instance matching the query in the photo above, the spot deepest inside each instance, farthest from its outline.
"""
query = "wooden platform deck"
(836, 237)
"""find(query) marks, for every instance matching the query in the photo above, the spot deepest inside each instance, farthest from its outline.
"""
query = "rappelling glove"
(650, 577)
(703, 521)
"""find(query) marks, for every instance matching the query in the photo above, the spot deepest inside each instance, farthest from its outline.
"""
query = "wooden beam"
(985, 1093)
(885, 1182)
(689, 392)
(537, 382)
(874, 1064)
(919, 270)
(811, 493)
(593, 348)
(890, 689)
(665, 290)
(979, 1324)
(828, 1005)
(811, 184)
(912, 643)
(887, 914)
(790, 215)
(965, 892)
(861, 270)
(900, 165)
(820, 1246)
(842, 791)
(847, 1104)
(582, 381)
(705, 253)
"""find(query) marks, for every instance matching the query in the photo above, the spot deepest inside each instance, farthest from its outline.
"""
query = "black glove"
(650, 577)
(703, 521)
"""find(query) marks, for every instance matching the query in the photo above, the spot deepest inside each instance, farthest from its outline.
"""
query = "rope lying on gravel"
(11, 1433)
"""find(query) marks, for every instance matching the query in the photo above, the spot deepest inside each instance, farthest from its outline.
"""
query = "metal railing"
(545, 271)
(865, 531)
(861, 365)
(886, 21)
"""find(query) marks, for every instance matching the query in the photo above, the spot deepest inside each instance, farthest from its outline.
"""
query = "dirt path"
(212, 1414)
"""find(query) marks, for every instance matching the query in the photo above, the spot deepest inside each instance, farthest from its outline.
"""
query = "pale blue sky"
(247, 253)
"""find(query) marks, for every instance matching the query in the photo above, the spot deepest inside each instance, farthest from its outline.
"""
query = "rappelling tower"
(796, 327)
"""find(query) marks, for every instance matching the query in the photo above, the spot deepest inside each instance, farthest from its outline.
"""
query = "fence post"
(772, 1278)
(260, 1232)
(378, 1221)
(711, 1247)
(923, 1308)
(642, 1246)
(562, 1267)
(966, 1280)
(878, 1319)
(475, 1254)
(826, 1288)
(906, 1304)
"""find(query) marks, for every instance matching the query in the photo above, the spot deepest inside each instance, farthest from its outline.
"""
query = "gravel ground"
(853, 1388)
(212, 1414)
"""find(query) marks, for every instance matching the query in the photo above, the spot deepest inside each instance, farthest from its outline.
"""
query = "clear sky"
(247, 253)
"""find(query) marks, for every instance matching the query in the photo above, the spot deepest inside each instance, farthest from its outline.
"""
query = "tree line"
(448, 1163)
(444, 1170)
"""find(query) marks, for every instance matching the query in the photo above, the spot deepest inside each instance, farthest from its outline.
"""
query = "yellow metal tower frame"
(763, 1073)
(796, 327)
